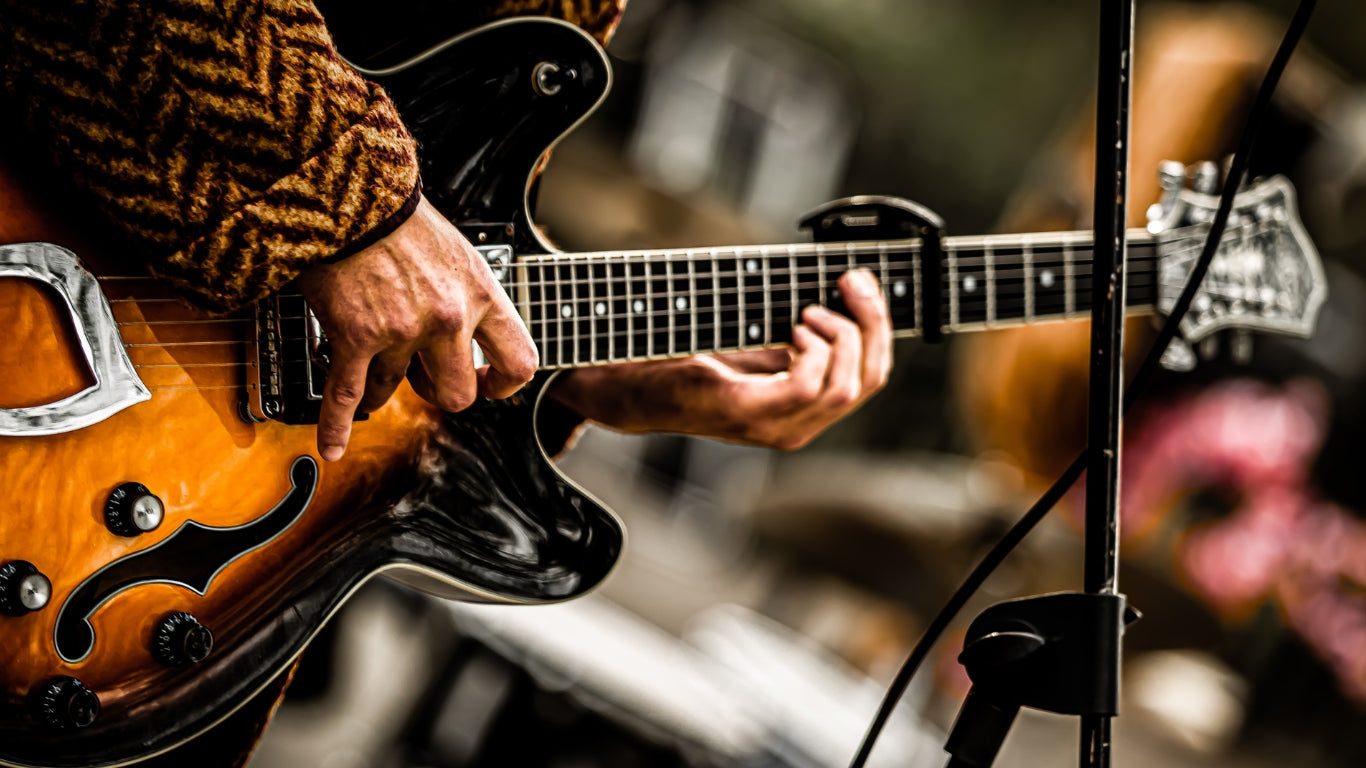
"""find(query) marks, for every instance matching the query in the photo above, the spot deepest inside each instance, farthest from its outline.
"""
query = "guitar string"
(1005, 242)
(1081, 270)
(781, 286)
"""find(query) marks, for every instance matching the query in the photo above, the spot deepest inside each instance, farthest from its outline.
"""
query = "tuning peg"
(1205, 178)
(1178, 356)
(1171, 178)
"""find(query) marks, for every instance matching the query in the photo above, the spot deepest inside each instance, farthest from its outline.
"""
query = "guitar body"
(261, 542)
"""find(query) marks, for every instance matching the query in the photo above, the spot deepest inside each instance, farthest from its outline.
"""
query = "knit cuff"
(359, 185)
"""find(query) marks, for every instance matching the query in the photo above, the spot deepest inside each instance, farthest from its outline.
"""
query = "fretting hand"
(421, 291)
(780, 398)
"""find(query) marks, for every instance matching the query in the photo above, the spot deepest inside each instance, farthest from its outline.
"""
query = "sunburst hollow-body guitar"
(169, 540)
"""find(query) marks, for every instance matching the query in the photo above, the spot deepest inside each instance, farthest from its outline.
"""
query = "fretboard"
(596, 308)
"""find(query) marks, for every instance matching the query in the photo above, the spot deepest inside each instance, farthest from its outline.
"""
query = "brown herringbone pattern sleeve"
(226, 138)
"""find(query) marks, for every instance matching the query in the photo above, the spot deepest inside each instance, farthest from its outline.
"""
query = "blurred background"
(766, 599)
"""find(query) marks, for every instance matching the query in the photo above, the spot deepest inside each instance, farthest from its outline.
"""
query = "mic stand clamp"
(1053, 652)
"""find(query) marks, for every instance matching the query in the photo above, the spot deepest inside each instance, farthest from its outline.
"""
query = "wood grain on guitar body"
(259, 542)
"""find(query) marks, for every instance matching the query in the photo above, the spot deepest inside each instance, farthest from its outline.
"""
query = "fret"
(821, 294)
(808, 280)
(641, 325)
(629, 311)
(953, 287)
(660, 315)
(753, 280)
(680, 306)
(593, 313)
(669, 299)
(916, 304)
(884, 278)
(787, 297)
(1049, 285)
(970, 269)
(768, 296)
(1028, 248)
(611, 309)
(584, 314)
(714, 293)
(990, 274)
(1069, 277)
(619, 285)
(729, 298)
(1009, 283)
(692, 304)
(563, 295)
(536, 292)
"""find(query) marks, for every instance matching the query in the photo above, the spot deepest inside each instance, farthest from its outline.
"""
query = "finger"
(865, 303)
(449, 366)
(507, 346)
(843, 378)
(774, 360)
(797, 388)
(385, 373)
(343, 391)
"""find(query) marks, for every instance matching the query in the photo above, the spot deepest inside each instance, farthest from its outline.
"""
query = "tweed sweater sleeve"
(226, 138)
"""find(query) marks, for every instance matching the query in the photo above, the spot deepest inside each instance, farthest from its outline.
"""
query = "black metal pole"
(1107, 345)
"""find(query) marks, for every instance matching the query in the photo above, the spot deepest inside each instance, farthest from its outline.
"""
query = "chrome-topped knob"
(133, 510)
(23, 588)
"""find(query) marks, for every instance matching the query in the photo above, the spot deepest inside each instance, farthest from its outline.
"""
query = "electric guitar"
(169, 540)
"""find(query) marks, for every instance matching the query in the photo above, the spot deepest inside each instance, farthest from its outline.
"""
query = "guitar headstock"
(1266, 276)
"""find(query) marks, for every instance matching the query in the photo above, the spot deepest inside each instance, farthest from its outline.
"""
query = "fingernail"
(864, 282)
(332, 452)
(817, 310)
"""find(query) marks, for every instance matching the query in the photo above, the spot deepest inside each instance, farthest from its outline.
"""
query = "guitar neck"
(607, 307)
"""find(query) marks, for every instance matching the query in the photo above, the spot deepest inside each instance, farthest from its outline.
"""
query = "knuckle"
(844, 395)
(449, 314)
(346, 394)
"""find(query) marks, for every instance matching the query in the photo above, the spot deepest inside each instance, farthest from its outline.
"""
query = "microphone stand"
(1106, 399)
(1061, 652)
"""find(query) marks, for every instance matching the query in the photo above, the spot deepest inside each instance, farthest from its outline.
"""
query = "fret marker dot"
(751, 266)
(637, 306)
(680, 303)
(600, 308)
(566, 310)
(899, 288)
(754, 331)
(969, 284)
(1046, 278)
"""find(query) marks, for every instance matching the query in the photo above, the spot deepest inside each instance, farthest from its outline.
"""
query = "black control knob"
(65, 702)
(180, 639)
(133, 510)
(22, 588)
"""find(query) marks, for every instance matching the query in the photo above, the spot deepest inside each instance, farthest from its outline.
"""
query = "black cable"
(1012, 538)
